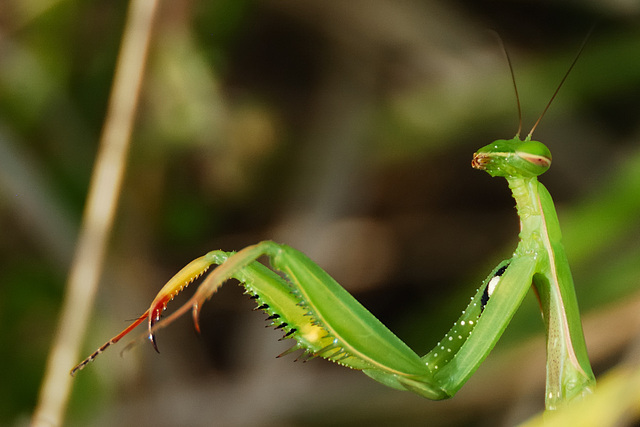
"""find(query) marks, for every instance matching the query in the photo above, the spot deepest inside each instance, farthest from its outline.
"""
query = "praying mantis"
(326, 321)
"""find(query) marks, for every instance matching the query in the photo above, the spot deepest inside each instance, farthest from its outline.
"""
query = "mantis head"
(517, 158)
(513, 158)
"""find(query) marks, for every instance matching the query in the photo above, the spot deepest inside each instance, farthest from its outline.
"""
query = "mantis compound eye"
(535, 153)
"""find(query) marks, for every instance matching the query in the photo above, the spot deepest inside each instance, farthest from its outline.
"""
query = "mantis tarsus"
(325, 320)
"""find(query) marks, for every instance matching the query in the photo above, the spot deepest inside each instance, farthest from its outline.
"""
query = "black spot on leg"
(485, 298)
(501, 270)
(485, 295)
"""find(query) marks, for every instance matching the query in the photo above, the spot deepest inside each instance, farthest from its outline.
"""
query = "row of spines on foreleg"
(321, 345)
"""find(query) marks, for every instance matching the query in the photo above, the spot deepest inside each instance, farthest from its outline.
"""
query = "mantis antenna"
(584, 43)
(515, 86)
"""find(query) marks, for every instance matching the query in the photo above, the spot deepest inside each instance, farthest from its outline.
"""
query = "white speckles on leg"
(454, 340)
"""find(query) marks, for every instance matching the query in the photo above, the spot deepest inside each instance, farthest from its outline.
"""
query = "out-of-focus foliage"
(345, 129)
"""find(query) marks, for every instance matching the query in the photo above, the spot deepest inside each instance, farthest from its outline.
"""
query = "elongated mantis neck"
(525, 193)
(569, 373)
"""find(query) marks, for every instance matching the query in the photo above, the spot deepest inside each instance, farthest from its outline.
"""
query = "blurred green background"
(345, 129)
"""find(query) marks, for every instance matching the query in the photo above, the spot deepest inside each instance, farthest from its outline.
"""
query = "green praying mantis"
(325, 321)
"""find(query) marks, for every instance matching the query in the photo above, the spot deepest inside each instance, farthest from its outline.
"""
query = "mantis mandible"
(310, 307)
